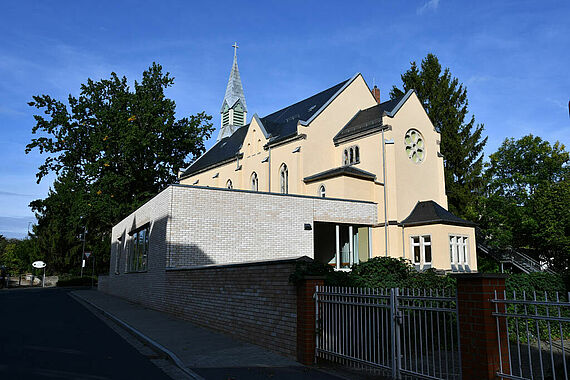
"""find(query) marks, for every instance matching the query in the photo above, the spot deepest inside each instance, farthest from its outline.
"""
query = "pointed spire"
(234, 89)
(234, 110)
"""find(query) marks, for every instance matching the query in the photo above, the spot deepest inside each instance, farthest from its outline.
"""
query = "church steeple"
(234, 109)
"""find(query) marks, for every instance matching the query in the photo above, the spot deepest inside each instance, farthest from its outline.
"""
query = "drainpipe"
(269, 166)
(385, 203)
(403, 243)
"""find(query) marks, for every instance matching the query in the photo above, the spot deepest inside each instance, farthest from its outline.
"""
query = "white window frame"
(229, 184)
(422, 243)
(322, 191)
(351, 155)
(459, 250)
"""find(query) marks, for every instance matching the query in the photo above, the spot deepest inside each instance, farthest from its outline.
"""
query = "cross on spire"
(235, 46)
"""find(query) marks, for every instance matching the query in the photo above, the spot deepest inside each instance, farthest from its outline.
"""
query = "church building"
(343, 143)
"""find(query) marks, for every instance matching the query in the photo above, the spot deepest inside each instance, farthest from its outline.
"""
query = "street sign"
(87, 254)
(39, 264)
(83, 265)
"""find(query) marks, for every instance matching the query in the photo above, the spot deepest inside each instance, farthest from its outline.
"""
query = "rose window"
(415, 146)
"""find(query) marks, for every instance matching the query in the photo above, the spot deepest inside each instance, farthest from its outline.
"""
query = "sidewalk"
(207, 354)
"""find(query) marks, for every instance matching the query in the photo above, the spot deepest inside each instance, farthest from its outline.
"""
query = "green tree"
(526, 200)
(462, 142)
(112, 148)
(3, 243)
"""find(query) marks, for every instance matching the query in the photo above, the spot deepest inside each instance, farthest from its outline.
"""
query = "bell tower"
(234, 109)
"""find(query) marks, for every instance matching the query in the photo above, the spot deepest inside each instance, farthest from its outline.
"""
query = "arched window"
(284, 179)
(254, 182)
(229, 184)
(352, 155)
(322, 191)
(345, 157)
(356, 154)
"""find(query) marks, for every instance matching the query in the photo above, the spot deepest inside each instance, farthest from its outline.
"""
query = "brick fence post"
(306, 333)
(478, 327)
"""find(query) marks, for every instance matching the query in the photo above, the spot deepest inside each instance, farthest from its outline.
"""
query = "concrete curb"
(139, 335)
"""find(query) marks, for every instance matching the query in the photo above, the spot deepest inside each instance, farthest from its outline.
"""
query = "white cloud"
(430, 5)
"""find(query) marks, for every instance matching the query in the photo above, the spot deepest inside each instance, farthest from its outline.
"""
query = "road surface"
(46, 334)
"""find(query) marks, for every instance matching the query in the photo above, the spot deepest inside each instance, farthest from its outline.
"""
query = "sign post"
(83, 252)
(40, 265)
(92, 270)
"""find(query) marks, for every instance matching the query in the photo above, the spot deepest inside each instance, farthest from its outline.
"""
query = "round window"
(415, 146)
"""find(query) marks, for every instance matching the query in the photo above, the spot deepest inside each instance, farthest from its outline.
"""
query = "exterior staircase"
(511, 257)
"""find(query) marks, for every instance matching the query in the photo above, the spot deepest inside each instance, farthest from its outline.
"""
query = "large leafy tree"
(526, 201)
(111, 148)
(445, 101)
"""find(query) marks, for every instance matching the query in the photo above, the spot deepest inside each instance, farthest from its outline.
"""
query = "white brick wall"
(193, 226)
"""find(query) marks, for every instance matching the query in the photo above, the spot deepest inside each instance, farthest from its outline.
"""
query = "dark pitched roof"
(429, 212)
(349, 171)
(224, 150)
(280, 125)
(366, 120)
(283, 123)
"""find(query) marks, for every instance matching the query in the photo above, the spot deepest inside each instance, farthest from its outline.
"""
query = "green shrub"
(378, 273)
(535, 282)
(76, 281)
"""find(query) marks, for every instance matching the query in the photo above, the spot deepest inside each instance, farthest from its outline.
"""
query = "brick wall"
(194, 230)
(253, 302)
(480, 357)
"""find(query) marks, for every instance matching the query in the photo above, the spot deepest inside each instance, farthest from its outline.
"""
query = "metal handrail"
(522, 261)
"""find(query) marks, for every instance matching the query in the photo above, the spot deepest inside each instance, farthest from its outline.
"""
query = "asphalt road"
(45, 334)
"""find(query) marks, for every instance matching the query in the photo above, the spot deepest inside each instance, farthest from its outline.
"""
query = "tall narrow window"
(284, 179)
(229, 184)
(138, 251)
(416, 249)
(254, 182)
(345, 157)
(427, 249)
(421, 250)
(322, 191)
(119, 253)
(352, 155)
(458, 251)
(356, 155)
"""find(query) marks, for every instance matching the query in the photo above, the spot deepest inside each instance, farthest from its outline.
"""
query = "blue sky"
(513, 56)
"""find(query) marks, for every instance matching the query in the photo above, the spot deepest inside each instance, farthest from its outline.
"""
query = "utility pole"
(83, 251)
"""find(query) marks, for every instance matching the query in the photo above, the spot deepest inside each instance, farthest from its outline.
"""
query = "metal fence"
(537, 335)
(403, 331)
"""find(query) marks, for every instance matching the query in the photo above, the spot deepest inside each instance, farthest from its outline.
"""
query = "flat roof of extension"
(271, 193)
